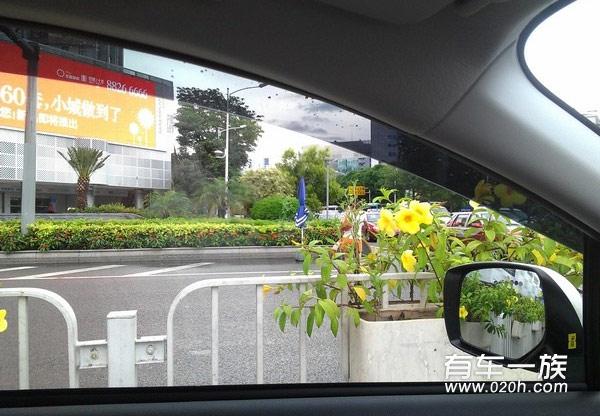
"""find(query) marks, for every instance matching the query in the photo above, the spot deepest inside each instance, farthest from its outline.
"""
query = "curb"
(147, 255)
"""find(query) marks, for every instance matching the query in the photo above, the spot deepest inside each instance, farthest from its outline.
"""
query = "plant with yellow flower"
(412, 238)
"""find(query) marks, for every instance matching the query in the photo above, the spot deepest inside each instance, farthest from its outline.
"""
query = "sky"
(289, 119)
(562, 53)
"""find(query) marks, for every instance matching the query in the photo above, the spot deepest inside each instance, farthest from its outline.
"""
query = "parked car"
(370, 228)
(463, 220)
(332, 212)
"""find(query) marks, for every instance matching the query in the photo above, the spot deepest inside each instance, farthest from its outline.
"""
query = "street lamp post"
(327, 188)
(225, 155)
(31, 52)
(227, 97)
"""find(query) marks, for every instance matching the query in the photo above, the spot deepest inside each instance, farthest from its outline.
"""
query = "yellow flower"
(408, 221)
(423, 210)
(386, 223)
(266, 289)
(392, 284)
(473, 204)
(3, 322)
(409, 261)
(463, 312)
(508, 196)
(360, 292)
(539, 259)
(371, 256)
(483, 192)
(511, 301)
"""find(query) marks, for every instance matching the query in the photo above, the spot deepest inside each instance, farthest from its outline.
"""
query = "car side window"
(217, 230)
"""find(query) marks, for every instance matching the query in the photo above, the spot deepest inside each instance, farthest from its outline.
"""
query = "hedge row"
(87, 235)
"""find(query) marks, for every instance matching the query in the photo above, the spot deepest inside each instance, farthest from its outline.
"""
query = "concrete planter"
(397, 351)
(519, 329)
(475, 334)
(406, 351)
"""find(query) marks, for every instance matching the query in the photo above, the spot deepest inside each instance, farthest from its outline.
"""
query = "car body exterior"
(463, 220)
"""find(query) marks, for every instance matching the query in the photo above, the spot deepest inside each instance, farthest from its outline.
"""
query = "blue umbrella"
(301, 216)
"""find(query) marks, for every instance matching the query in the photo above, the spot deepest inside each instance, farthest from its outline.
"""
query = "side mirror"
(515, 311)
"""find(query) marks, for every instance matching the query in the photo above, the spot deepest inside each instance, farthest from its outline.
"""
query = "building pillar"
(139, 199)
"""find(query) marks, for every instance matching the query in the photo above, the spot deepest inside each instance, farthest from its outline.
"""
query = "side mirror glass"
(502, 311)
(518, 312)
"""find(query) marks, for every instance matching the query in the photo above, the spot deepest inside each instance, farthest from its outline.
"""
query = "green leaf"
(341, 280)
(334, 327)
(352, 312)
(330, 308)
(305, 297)
(282, 320)
(277, 312)
(306, 263)
(471, 231)
(326, 271)
(333, 293)
(341, 265)
(295, 316)
(421, 258)
(490, 235)
(310, 321)
(473, 245)
(319, 315)
(321, 292)
(549, 245)
(565, 261)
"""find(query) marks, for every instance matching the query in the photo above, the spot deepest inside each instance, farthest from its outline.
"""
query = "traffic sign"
(357, 190)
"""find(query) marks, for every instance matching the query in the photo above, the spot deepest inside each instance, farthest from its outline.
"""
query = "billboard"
(77, 99)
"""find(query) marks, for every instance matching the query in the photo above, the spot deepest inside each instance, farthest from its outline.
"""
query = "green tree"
(265, 182)
(408, 185)
(311, 163)
(84, 161)
(200, 115)
(210, 197)
(186, 173)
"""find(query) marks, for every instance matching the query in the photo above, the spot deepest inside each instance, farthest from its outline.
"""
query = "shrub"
(153, 233)
(274, 207)
(168, 204)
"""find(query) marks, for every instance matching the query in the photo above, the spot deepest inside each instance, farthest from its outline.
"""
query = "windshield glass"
(561, 54)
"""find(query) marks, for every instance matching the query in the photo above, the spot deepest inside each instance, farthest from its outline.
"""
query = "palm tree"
(85, 162)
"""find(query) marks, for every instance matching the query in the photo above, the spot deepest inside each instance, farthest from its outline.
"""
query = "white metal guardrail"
(122, 350)
(258, 283)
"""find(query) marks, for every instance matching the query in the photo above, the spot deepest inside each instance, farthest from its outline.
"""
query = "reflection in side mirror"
(515, 314)
(502, 311)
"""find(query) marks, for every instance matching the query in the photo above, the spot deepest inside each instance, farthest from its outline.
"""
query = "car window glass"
(218, 229)
(557, 54)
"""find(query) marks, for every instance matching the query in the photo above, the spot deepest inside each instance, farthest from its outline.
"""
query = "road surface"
(94, 290)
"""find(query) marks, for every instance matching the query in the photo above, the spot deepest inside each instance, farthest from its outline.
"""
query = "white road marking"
(64, 272)
(257, 274)
(11, 269)
(167, 270)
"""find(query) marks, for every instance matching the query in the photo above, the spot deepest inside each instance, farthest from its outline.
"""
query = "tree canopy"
(200, 115)
(311, 163)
